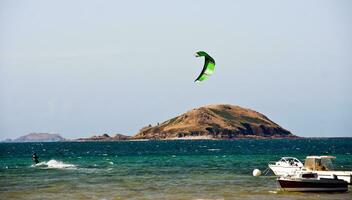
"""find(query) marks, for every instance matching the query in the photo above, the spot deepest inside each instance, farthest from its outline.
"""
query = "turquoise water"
(158, 169)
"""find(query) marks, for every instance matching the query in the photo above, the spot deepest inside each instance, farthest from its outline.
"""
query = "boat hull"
(284, 171)
(343, 175)
(314, 185)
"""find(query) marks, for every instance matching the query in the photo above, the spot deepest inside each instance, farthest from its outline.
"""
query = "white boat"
(285, 166)
(322, 165)
(311, 182)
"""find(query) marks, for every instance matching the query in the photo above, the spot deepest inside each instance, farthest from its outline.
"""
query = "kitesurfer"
(35, 158)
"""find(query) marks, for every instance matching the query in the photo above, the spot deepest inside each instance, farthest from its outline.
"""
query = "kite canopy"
(208, 68)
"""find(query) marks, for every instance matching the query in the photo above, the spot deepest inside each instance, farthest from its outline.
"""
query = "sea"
(174, 169)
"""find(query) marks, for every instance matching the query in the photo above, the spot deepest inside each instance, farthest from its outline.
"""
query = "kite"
(208, 68)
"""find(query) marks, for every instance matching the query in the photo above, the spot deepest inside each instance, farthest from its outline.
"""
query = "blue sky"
(80, 68)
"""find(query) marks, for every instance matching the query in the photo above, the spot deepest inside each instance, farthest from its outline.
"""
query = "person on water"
(35, 158)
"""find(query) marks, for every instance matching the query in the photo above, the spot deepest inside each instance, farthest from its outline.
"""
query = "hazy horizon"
(80, 68)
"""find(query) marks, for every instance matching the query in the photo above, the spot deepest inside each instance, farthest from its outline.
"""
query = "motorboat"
(285, 166)
(321, 165)
(311, 182)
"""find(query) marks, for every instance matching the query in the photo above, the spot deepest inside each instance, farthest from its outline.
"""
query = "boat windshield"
(326, 164)
(318, 164)
(291, 161)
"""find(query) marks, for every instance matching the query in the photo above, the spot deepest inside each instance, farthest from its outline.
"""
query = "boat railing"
(272, 162)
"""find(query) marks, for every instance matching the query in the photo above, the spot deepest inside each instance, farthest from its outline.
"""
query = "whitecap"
(213, 149)
(54, 164)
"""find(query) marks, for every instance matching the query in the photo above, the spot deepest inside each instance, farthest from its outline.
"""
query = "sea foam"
(54, 164)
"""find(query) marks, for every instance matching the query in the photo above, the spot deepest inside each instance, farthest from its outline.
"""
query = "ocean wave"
(214, 149)
(54, 164)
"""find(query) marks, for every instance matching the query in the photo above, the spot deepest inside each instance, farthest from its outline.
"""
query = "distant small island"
(219, 121)
(38, 137)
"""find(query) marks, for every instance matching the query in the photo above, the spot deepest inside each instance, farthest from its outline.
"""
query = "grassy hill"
(216, 122)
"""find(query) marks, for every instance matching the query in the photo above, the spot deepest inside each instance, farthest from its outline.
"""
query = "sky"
(80, 68)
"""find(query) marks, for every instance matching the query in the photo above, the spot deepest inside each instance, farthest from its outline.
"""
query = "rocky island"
(39, 137)
(216, 122)
(105, 137)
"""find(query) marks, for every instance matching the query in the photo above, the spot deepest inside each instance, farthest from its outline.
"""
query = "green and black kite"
(208, 68)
